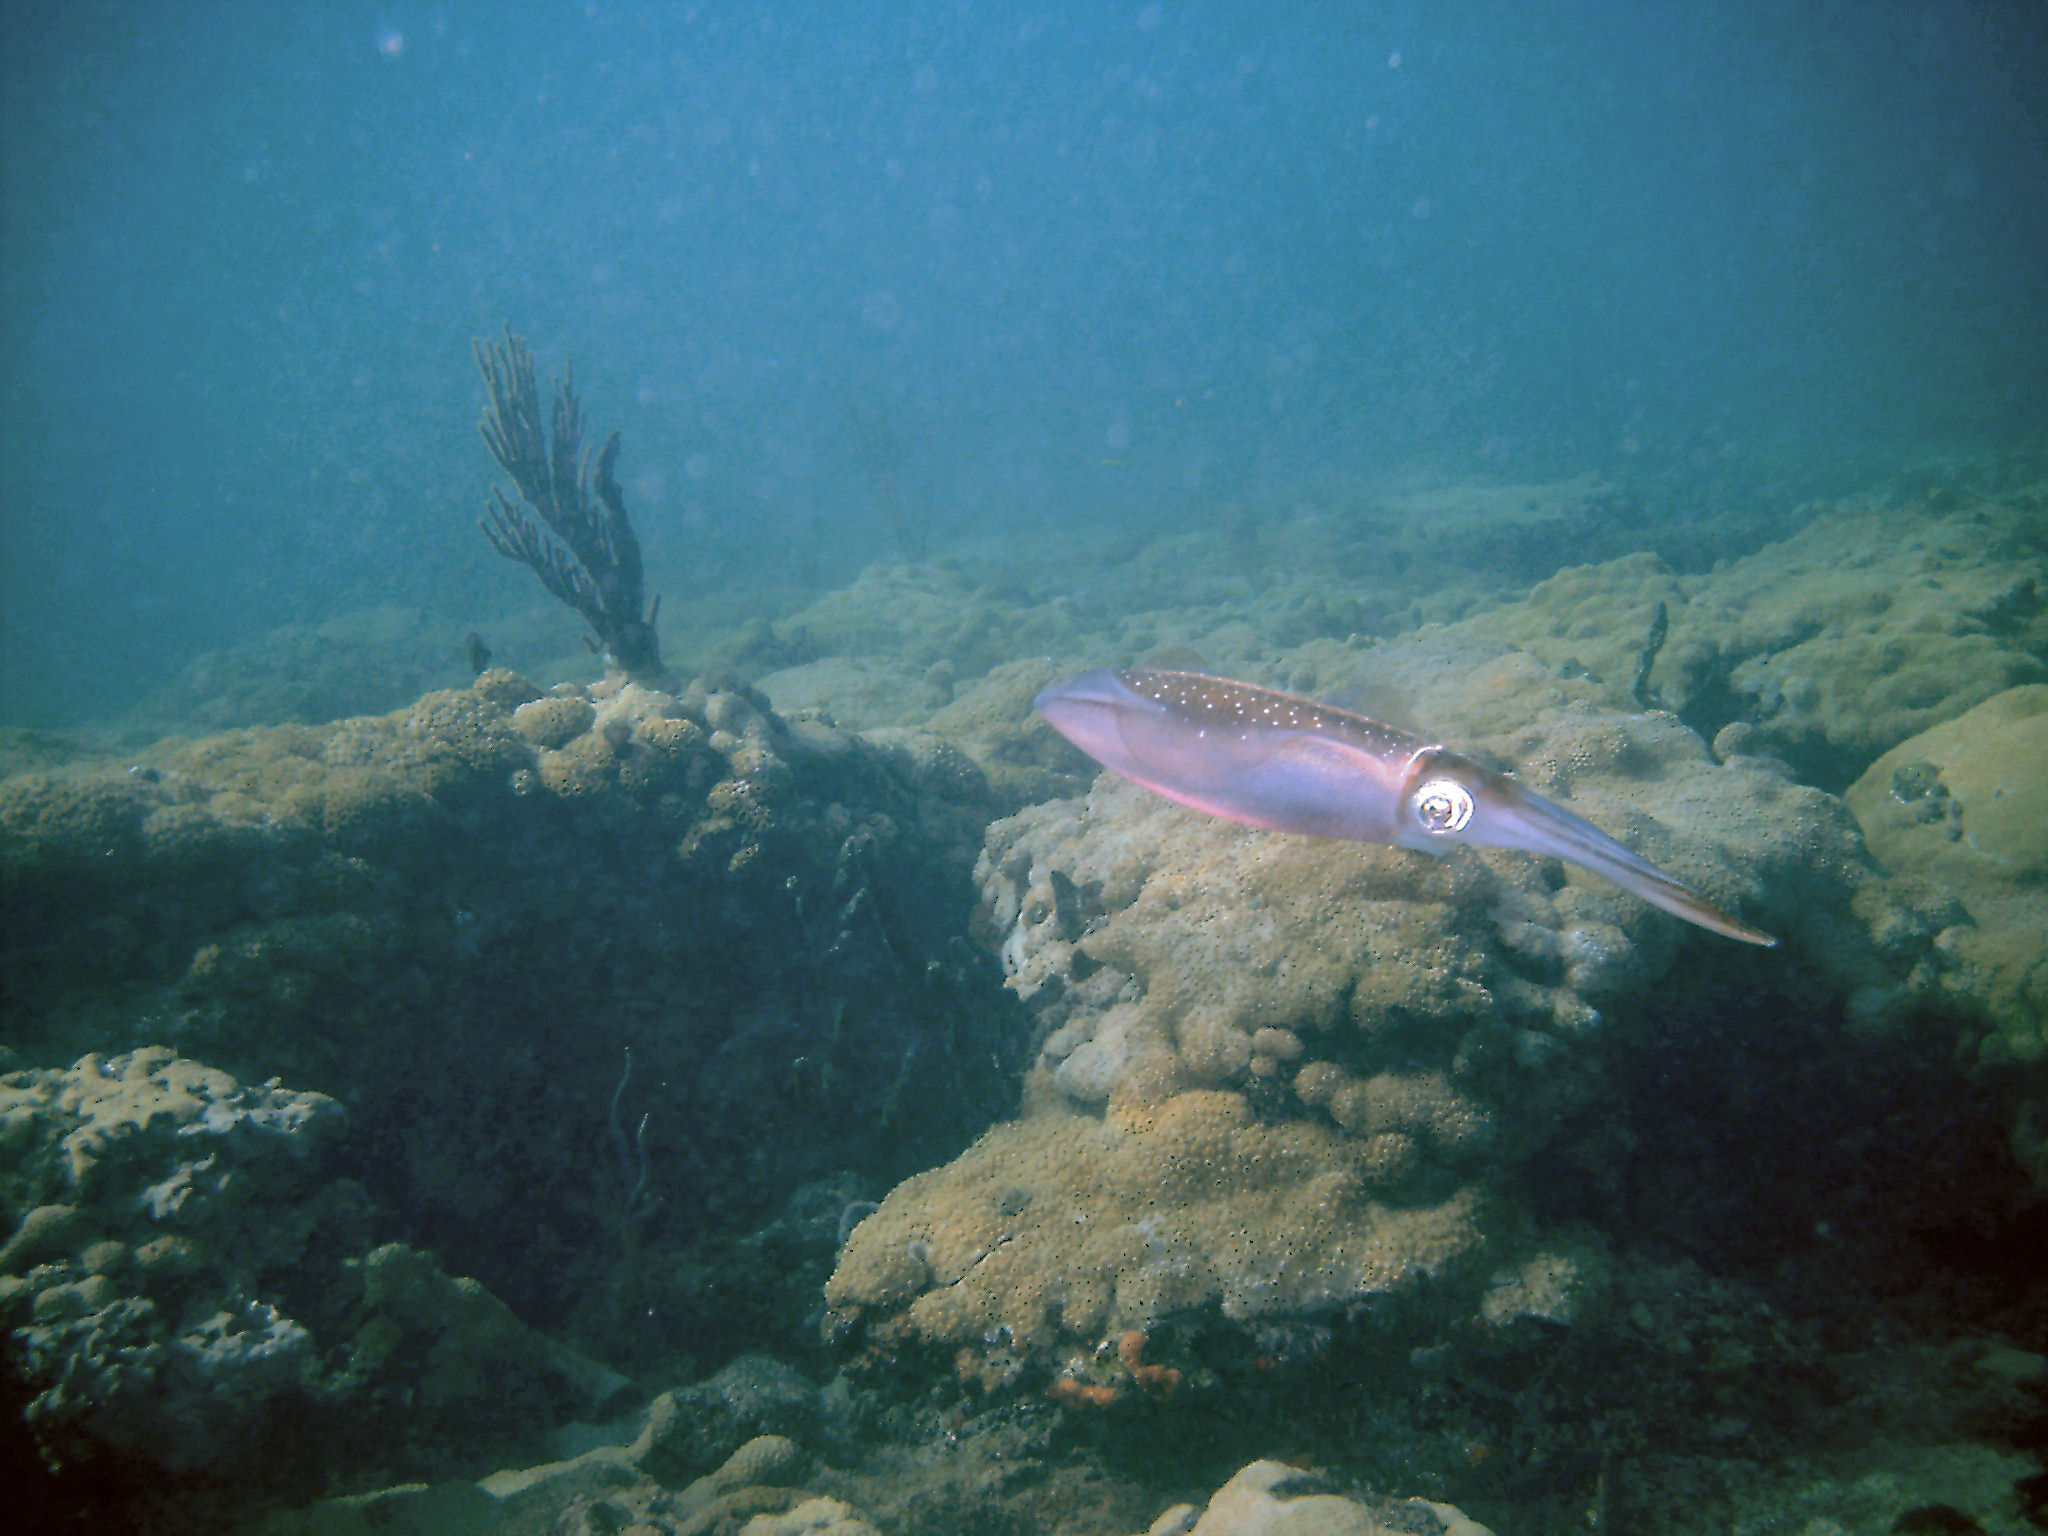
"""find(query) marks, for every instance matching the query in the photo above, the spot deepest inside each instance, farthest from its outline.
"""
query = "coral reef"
(592, 562)
(1284, 1079)
(695, 1428)
(933, 616)
(1473, 1178)
(1959, 815)
(1557, 1446)
(1058, 1231)
(155, 1205)
(1825, 649)
(1269, 1498)
(456, 916)
(185, 1286)
(357, 663)
(757, 1489)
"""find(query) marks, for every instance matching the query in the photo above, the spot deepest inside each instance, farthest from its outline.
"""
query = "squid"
(1287, 764)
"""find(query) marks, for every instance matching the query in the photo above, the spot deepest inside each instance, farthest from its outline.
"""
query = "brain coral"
(1065, 1227)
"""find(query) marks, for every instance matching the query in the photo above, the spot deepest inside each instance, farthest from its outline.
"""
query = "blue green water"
(1101, 267)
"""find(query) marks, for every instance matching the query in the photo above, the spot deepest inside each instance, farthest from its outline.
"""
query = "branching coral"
(592, 562)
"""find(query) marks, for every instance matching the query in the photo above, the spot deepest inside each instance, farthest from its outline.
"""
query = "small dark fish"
(1287, 764)
(478, 653)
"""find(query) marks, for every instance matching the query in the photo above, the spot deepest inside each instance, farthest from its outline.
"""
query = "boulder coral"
(1062, 1229)
(1861, 629)
(187, 1287)
(156, 1204)
(1959, 814)
(1282, 1078)
(456, 918)
(1825, 649)
(1270, 1498)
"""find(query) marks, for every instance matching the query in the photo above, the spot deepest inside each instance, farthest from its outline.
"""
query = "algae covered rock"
(1862, 629)
(466, 1368)
(554, 722)
(813, 1517)
(860, 692)
(162, 1214)
(1966, 800)
(929, 615)
(1962, 809)
(602, 1489)
(1270, 1498)
(1959, 814)
(752, 1399)
(1825, 649)
(185, 1286)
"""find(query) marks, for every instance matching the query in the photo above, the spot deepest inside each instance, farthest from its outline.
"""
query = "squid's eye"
(1443, 805)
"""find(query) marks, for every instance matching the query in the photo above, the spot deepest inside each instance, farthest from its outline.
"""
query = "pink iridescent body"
(1288, 764)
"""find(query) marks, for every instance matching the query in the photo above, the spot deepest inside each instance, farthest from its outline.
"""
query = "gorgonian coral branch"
(589, 556)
